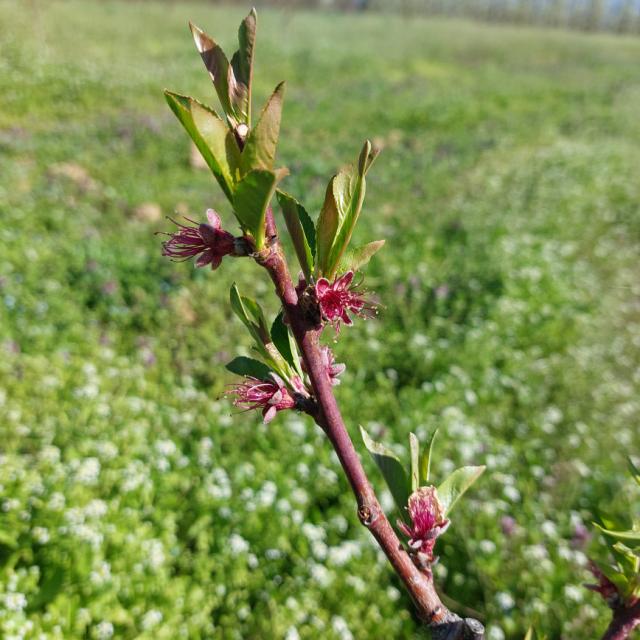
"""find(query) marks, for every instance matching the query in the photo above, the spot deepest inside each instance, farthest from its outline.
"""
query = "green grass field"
(134, 501)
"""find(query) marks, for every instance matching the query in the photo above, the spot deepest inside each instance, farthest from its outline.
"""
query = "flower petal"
(206, 258)
(269, 414)
(213, 218)
(344, 281)
(322, 286)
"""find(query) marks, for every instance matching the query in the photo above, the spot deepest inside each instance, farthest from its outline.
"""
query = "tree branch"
(444, 624)
(625, 620)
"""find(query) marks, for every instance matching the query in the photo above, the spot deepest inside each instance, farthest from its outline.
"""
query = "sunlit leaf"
(242, 65)
(340, 211)
(300, 229)
(454, 487)
(260, 148)
(631, 535)
(215, 142)
(244, 366)
(356, 258)
(285, 343)
(635, 471)
(427, 457)
(392, 470)
(251, 315)
(414, 450)
(220, 71)
(251, 199)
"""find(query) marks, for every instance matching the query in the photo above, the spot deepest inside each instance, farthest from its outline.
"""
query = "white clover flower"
(88, 471)
(314, 533)
(320, 574)
(339, 625)
(505, 600)
(299, 496)
(302, 470)
(495, 633)
(267, 494)
(487, 546)
(101, 574)
(10, 504)
(358, 584)
(15, 601)
(344, 552)
(103, 631)
(41, 535)
(549, 529)
(292, 634)
(151, 618)
(155, 553)
(572, 592)
(166, 448)
(511, 493)
(96, 509)
(243, 612)
(393, 594)
(238, 544)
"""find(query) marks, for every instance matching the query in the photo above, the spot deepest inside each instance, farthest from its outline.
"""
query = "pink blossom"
(269, 395)
(333, 368)
(208, 241)
(427, 521)
(338, 298)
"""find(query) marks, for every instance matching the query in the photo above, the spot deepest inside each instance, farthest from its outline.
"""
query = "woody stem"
(430, 609)
(625, 620)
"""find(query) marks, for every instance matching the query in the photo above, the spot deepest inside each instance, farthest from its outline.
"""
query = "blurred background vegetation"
(134, 501)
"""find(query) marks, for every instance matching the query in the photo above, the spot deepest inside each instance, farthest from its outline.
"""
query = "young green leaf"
(392, 470)
(427, 457)
(627, 558)
(326, 229)
(242, 65)
(452, 489)
(260, 148)
(286, 345)
(632, 535)
(634, 470)
(414, 447)
(340, 211)
(251, 199)
(617, 577)
(219, 69)
(251, 315)
(243, 366)
(211, 136)
(355, 259)
(300, 229)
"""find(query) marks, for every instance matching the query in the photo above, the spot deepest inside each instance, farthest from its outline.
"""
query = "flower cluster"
(269, 395)
(207, 240)
(427, 521)
(339, 298)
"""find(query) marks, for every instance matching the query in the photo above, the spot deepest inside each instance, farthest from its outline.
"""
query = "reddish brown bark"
(625, 620)
(430, 609)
